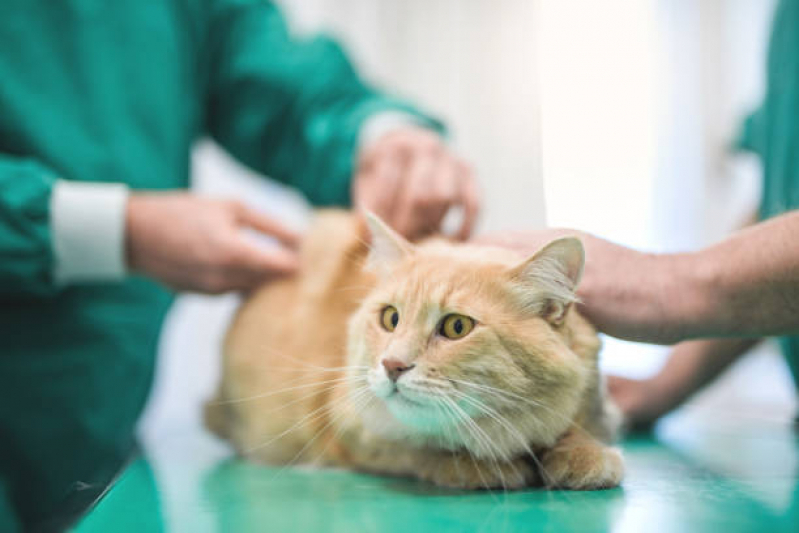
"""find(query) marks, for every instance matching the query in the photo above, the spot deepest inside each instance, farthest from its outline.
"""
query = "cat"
(461, 365)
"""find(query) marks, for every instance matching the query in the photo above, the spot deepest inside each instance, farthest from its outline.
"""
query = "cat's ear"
(387, 247)
(550, 277)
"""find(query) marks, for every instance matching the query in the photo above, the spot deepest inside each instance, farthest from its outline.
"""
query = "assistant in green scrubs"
(773, 133)
(117, 91)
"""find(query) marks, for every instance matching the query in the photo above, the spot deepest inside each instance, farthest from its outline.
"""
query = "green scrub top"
(117, 91)
(773, 133)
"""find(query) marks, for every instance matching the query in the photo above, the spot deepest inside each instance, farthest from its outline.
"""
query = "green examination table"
(692, 475)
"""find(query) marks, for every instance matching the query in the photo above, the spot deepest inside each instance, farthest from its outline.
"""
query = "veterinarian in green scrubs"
(101, 101)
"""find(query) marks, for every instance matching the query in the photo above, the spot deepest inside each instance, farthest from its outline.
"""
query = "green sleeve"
(289, 108)
(27, 259)
(750, 137)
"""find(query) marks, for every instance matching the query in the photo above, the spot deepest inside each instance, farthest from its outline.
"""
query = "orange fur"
(303, 380)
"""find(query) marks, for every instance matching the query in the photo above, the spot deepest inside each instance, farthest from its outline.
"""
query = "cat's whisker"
(309, 417)
(355, 398)
(478, 432)
(358, 405)
(292, 359)
(515, 432)
(300, 399)
(510, 428)
(529, 401)
(321, 369)
(333, 382)
(494, 415)
(457, 417)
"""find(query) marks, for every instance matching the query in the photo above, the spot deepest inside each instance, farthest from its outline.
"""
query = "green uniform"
(773, 133)
(117, 91)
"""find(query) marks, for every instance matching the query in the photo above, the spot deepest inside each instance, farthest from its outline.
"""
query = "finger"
(378, 189)
(417, 210)
(443, 196)
(469, 200)
(266, 261)
(269, 226)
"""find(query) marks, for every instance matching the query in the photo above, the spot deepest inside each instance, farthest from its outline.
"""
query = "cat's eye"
(456, 326)
(389, 318)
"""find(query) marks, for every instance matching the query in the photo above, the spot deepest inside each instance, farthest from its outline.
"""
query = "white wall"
(472, 63)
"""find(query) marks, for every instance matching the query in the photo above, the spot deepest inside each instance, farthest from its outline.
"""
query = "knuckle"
(229, 258)
(212, 282)
(235, 206)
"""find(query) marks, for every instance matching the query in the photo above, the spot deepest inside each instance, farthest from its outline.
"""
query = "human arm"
(296, 110)
(54, 233)
(690, 367)
(745, 286)
(291, 108)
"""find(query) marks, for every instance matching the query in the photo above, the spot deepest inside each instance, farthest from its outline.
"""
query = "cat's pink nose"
(395, 368)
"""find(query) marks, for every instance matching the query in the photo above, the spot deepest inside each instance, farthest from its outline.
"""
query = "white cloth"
(87, 222)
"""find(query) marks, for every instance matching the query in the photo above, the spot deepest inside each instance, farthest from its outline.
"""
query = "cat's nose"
(395, 368)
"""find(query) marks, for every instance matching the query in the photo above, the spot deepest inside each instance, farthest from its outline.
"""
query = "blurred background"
(615, 117)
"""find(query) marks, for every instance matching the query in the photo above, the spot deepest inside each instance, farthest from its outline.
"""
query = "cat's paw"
(460, 471)
(582, 467)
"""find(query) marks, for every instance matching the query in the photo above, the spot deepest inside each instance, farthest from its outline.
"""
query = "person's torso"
(102, 91)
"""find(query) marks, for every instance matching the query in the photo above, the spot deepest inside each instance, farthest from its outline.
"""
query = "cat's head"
(468, 346)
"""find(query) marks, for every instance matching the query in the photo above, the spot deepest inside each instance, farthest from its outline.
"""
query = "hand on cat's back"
(197, 244)
(411, 179)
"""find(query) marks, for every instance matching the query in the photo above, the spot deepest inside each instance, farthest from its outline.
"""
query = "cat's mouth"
(397, 395)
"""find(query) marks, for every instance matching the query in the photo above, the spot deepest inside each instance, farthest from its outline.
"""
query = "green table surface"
(690, 475)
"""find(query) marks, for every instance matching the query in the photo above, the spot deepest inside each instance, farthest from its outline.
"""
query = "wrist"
(136, 214)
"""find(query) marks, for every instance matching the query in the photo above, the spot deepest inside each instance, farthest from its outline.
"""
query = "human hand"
(197, 244)
(623, 292)
(411, 179)
(640, 400)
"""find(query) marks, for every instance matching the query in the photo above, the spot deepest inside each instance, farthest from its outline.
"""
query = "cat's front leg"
(461, 471)
(580, 462)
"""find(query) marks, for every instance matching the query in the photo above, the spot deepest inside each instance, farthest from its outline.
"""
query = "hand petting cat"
(411, 179)
(622, 290)
(745, 286)
(192, 243)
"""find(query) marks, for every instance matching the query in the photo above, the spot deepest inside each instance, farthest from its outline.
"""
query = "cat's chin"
(402, 418)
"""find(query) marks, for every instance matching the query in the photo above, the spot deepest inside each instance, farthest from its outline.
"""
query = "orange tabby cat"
(461, 365)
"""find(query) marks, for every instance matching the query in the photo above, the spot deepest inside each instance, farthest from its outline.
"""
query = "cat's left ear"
(550, 277)
(387, 247)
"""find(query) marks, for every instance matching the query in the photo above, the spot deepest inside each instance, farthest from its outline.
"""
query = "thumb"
(269, 226)
(268, 260)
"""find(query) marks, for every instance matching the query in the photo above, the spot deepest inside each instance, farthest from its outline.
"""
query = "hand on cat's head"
(623, 292)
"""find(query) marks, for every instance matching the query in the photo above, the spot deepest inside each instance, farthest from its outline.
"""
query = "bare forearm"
(691, 366)
(745, 286)
(749, 283)
(694, 364)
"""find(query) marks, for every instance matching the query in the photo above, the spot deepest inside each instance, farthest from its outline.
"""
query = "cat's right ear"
(387, 247)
